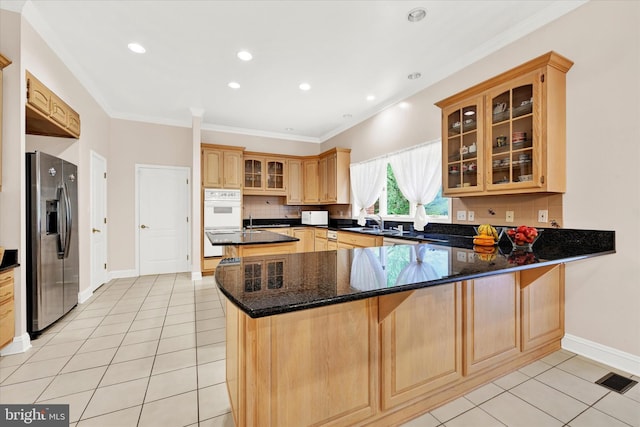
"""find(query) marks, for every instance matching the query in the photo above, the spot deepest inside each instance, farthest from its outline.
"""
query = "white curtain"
(367, 181)
(366, 271)
(419, 177)
(417, 271)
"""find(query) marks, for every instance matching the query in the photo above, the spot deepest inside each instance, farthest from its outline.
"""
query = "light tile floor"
(150, 351)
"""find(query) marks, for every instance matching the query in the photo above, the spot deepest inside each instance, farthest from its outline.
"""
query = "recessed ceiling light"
(245, 56)
(288, 129)
(370, 98)
(346, 116)
(234, 85)
(305, 86)
(416, 14)
(136, 47)
(414, 76)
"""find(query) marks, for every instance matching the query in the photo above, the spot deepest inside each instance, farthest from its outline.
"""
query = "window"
(393, 205)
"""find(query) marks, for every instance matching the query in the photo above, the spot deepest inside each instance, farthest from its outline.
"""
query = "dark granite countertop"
(248, 237)
(9, 260)
(313, 279)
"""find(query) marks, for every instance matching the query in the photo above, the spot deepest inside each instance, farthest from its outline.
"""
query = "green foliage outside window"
(398, 205)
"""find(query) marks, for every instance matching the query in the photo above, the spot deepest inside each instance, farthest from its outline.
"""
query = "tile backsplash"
(493, 209)
(267, 207)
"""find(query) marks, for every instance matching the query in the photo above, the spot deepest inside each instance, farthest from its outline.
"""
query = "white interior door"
(163, 219)
(98, 208)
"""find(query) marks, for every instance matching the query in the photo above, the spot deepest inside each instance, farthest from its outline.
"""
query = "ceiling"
(346, 50)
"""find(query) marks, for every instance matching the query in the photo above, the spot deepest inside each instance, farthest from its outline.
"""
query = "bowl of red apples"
(523, 237)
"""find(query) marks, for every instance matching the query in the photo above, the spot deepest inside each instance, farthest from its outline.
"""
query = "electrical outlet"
(462, 215)
(543, 215)
(461, 256)
(509, 216)
(471, 216)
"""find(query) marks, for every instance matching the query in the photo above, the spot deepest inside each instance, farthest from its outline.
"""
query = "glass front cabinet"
(264, 175)
(462, 150)
(507, 135)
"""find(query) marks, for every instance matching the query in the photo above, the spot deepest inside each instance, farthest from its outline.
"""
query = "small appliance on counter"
(315, 217)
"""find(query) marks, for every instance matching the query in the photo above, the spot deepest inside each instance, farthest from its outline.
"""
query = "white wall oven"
(222, 215)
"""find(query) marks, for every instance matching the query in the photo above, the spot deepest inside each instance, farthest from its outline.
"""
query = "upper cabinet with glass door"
(522, 128)
(463, 147)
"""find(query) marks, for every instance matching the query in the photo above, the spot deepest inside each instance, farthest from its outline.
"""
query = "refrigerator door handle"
(60, 238)
(68, 220)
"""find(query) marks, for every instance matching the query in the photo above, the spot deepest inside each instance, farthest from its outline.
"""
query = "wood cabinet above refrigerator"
(47, 114)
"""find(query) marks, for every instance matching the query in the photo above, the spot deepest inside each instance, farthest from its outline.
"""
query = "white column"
(196, 195)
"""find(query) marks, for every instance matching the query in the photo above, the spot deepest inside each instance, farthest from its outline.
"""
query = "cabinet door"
(542, 296)
(320, 244)
(311, 186)
(332, 245)
(38, 95)
(322, 180)
(212, 168)
(462, 149)
(295, 176)
(253, 174)
(492, 321)
(59, 111)
(232, 169)
(421, 343)
(276, 176)
(331, 180)
(306, 242)
(73, 123)
(514, 134)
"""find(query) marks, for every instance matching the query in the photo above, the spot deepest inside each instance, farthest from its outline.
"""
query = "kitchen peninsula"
(253, 242)
(377, 336)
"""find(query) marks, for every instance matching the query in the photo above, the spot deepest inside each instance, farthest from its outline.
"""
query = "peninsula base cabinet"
(384, 360)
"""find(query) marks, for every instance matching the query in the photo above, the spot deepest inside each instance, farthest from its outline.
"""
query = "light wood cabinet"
(4, 62)
(221, 167)
(334, 183)
(384, 360)
(421, 343)
(542, 299)
(295, 177)
(264, 175)
(47, 114)
(492, 321)
(306, 242)
(320, 237)
(310, 181)
(507, 134)
(7, 309)
(349, 240)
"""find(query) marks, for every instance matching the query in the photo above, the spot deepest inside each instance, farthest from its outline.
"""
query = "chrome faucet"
(250, 222)
(378, 219)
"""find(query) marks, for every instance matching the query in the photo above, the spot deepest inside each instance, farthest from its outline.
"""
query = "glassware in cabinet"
(512, 136)
(463, 148)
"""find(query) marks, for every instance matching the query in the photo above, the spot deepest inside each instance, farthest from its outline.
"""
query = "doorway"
(98, 206)
(162, 219)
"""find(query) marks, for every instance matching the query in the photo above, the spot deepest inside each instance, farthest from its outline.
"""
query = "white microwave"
(315, 217)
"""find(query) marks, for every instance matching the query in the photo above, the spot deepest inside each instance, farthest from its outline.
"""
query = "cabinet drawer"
(320, 233)
(356, 239)
(6, 286)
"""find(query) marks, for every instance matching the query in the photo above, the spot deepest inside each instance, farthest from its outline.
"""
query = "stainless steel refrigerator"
(52, 240)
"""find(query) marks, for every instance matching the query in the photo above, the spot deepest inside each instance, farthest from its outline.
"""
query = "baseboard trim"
(18, 345)
(85, 295)
(122, 274)
(601, 353)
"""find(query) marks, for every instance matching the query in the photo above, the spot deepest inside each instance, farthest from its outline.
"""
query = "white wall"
(136, 143)
(261, 144)
(603, 152)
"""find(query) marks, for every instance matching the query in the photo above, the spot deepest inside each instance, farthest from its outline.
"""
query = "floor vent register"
(616, 382)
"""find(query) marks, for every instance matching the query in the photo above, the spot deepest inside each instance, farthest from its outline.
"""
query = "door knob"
(144, 226)
(95, 230)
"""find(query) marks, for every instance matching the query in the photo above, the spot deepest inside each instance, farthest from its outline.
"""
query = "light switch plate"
(471, 215)
(509, 216)
(461, 215)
